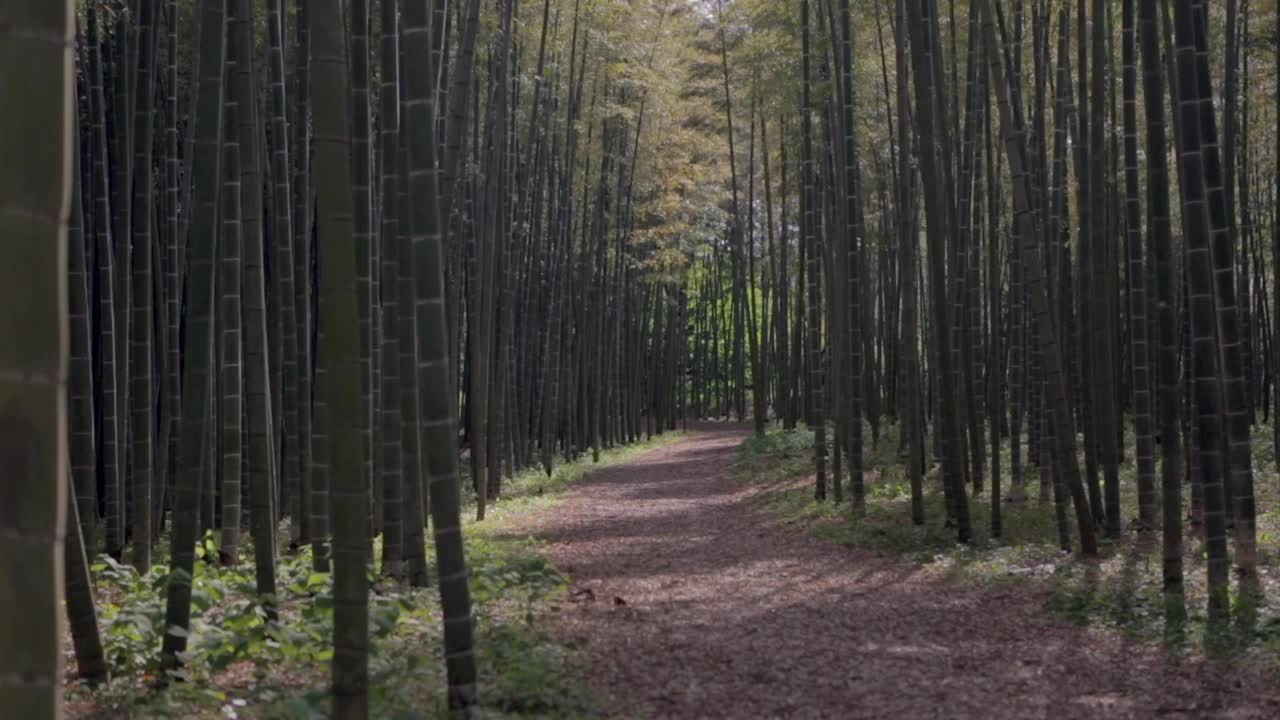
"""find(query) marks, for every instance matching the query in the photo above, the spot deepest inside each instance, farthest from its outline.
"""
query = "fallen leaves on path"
(720, 612)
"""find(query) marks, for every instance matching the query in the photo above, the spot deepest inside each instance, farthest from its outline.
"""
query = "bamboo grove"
(327, 263)
(1034, 228)
(334, 271)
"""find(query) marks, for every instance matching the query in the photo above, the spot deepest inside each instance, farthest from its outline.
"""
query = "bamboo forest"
(417, 359)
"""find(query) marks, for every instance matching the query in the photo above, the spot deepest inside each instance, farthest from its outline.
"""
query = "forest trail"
(688, 602)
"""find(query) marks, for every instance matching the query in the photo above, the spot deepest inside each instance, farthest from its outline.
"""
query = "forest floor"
(241, 666)
(689, 598)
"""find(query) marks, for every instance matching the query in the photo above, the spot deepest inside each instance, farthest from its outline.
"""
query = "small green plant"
(241, 664)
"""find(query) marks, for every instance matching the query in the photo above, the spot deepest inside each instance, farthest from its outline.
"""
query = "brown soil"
(689, 602)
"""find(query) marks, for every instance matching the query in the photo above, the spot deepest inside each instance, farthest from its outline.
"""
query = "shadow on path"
(699, 605)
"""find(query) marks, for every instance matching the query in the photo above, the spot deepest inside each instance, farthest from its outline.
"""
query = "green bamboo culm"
(391, 462)
(339, 352)
(141, 310)
(439, 443)
(198, 345)
(35, 189)
(257, 388)
(81, 614)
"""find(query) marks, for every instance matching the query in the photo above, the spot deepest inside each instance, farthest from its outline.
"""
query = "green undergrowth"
(533, 490)
(241, 665)
(1122, 589)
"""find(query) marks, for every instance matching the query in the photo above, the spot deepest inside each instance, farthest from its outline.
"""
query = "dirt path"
(690, 603)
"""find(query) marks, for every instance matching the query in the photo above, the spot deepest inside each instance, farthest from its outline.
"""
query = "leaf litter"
(728, 613)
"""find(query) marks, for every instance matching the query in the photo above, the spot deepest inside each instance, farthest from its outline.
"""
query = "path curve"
(687, 602)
